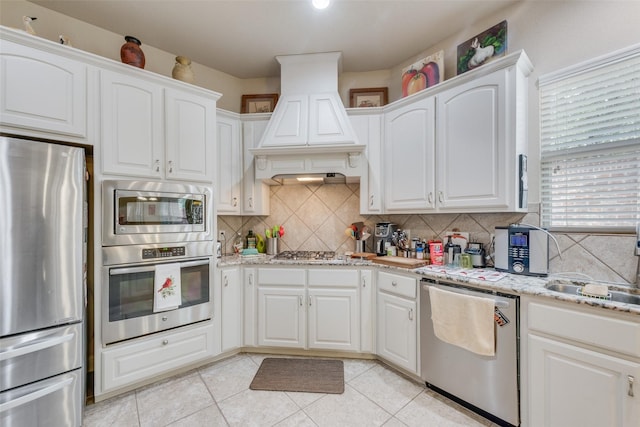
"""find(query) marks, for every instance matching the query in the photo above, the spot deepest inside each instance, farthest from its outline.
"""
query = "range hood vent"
(309, 131)
(311, 178)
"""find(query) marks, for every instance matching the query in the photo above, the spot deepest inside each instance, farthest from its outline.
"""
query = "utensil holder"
(360, 246)
(272, 246)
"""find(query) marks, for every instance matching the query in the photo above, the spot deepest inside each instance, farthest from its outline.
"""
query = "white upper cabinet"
(368, 129)
(229, 174)
(136, 113)
(42, 92)
(458, 147)
(476, 150)
(132, 126)
(191, 140)
(255, 193)
(409, 150)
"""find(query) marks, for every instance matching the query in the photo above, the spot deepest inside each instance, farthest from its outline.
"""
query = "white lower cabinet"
(250, 308)
(231, 289)
(367, 312)
(281, 317)
(128, 363)
(397, 321)
(583, 369)
(575, 386)
(315, 308)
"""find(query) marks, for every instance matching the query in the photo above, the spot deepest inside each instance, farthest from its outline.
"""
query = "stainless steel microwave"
(142, 212)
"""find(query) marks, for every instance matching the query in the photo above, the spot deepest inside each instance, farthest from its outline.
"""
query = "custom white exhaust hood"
(309, 131)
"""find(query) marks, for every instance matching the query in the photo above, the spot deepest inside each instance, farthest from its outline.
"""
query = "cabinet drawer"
(281, 276)
(129, 363)
(333, 278)
(613, 334)
(398, 285)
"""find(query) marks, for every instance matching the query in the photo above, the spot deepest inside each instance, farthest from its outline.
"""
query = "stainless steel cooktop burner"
(305, 255)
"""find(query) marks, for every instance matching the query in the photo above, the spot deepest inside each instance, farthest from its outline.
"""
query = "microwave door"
(42, 235)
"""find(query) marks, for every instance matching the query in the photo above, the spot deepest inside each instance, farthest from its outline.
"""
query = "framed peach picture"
(422, 74)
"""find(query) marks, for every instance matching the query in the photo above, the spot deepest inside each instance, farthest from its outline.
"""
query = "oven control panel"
(166, 252)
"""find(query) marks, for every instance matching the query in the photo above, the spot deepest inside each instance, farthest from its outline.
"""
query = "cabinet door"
(472, 147)
(229, 169)
(574, 386)
(191, 137)
(368, 128)
(132, 126)
(42, 91)
(231, 308)
(255, 193)
(250, 307)
(139, 360)
(367, 306)
(409, 174)
(397, 331)
(281, 317)
(334, 319)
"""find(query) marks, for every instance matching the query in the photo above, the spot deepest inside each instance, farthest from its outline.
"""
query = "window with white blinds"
(590, 144)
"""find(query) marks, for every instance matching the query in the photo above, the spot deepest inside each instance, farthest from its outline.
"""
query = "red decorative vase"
(130, 52)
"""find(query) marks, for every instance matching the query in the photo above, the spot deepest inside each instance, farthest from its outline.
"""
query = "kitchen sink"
(576, 289)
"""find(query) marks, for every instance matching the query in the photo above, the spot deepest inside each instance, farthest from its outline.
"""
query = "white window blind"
(590, 144)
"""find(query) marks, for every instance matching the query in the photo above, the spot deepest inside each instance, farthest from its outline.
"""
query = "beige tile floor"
(218, 394)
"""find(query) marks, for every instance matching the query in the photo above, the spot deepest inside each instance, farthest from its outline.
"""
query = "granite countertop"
(507, 283)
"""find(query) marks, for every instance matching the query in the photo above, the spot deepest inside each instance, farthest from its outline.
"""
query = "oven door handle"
(130, 270)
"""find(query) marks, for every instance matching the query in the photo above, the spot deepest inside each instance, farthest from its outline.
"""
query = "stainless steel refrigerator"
(43, 235)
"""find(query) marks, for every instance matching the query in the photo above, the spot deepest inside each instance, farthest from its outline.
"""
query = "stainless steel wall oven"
(129, 287)
(150, 229)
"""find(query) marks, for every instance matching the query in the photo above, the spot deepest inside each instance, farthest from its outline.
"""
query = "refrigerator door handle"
(23, 400)
(34, 346)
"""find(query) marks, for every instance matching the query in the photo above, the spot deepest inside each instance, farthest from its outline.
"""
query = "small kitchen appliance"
(383, 234)
(476, 251)
(522, 249)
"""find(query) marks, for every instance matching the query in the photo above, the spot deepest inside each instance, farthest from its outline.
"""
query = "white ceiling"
(242, 37)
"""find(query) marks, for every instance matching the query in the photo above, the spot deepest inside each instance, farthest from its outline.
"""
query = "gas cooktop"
(305, 255)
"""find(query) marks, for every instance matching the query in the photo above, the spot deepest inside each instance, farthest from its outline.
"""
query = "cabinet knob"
(157, 165)
(235, 202)
(394, 283)
(300, 301)
(430, 198)
(250, 202)
(440, 196)
(165, 342)
(251, 279)
(170, 166)
(630, 380)
(371, 200)
(165, 318)
(364, 282)
(411, 314)
(226, 281)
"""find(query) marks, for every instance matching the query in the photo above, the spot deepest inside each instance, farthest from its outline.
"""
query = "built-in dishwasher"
(488, 385)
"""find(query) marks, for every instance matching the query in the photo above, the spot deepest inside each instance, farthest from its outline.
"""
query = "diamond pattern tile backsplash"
(315, 218)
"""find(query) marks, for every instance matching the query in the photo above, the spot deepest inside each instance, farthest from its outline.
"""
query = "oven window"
(131, 294)
(158, 209)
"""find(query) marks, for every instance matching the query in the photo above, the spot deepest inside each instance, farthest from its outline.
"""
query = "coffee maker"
(383, 234)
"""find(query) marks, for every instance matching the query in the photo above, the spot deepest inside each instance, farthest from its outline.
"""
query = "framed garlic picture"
(422, 74)
(482, 48)
(264, 103)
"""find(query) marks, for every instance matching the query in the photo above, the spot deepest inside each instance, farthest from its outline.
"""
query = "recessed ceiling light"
(320, 4)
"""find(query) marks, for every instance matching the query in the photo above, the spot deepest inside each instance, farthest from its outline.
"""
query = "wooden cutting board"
(363, 255)
(397, 261)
